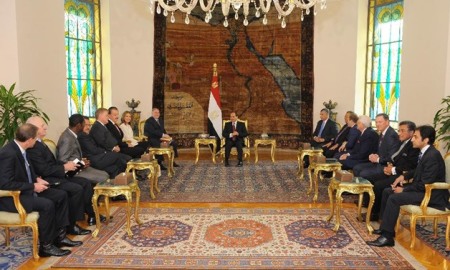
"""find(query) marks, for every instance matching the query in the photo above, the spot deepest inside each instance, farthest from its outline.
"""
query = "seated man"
(332, 147)
(388, 144)
(125, 147)
(366, 144)
(111, 162)
(400, 163)
(325, 131)
(155, 131)
(16, 173)
(78, 189)
(234, 133)
(68, 149)
(430, 169)
(352, 137)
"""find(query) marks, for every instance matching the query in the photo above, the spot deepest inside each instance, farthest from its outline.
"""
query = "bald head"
(40, 124)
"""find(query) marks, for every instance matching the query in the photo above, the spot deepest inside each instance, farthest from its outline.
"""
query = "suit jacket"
(102, 136)
(45, 164)
(329, 131)
(13, 176)
(240, 128)
(352, 137)
(154, 131)
(117, 133)
(342, 135)
(388, 146)
(406, 160)
(366, 144)
(68, 147)
(430, 169)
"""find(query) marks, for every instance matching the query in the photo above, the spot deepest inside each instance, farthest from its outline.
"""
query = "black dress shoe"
(162, 167)
(77, 230)
(66, 242)
(91, 220)
(240, 164)
(382, 242)
(51, 250)
(175, 165)
(377, 231)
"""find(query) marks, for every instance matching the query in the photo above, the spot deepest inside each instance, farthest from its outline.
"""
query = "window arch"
(83, 56)
(383, 63)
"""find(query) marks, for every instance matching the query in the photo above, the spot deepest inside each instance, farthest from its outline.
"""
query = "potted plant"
(15, 109)
(441, 123)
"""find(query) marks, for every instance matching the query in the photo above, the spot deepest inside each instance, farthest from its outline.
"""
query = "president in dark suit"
(155, 132)
(334, 146)
(325, 131)
(125, 148)
(388, 144)
(430, 169)
(234, 133)
(78, 189)
(16, 173)
(366, 144)
(401, 162)
(111, 162)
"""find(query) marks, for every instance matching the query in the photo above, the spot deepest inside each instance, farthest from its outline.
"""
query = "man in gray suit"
(69, 149)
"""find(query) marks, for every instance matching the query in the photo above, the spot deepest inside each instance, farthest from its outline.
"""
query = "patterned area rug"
(231, 238)
(261, 182)
(19, 249)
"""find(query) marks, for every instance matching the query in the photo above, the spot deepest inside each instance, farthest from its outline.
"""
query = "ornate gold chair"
(141, 136)
(19, 219)
(424, 211)
(51, 145)
(245, 149)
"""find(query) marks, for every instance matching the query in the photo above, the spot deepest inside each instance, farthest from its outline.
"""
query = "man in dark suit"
(78, 189)
(16, 173)
(69, 149)
(325, 131)
(366, 144)
(430, 169)
(388, 144)
(402, 161)
(234, 133)
(155, 131)
(332, 147)
(111, 162)
(125, 148)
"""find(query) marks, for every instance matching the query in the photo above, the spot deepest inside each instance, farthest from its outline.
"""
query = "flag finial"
(215, 69)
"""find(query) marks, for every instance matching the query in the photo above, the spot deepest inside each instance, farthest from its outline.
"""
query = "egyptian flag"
(214, 109)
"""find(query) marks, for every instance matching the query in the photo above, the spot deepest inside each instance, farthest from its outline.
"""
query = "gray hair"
(365, 120)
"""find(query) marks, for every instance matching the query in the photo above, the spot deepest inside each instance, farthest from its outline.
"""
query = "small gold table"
(330, 166)
(357, 186)
(271, 142)
(165, 151)
(109, 189)
(301, 155)
(152, 166)
(206, 141)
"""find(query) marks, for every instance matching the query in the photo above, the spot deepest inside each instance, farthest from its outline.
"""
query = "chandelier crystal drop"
(260, 7)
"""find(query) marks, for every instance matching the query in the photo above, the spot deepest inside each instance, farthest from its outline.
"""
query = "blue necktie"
(321, 129)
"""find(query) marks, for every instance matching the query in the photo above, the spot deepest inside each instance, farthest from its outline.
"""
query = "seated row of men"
(397, 164)
(57, 187)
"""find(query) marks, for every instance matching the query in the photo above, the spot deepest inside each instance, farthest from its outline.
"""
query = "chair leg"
(447, 235)
(7, 236)
(435, 225)
(413, 230)
(397, 226)
(34, 228)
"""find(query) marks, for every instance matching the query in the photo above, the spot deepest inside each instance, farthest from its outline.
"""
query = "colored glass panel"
(383, 63)
(83, 56)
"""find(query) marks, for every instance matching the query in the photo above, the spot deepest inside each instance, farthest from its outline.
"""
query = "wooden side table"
(301, 155)
(273, 146)
(108, 189)
(152, 166)
(205, 141)
(357, 186)
(165, 151)
(314, 178)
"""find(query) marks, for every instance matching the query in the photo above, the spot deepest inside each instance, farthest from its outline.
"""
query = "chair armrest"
(428, 189)
(16, 198)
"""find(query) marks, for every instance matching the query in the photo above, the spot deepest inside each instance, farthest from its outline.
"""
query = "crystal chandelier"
(283, 7)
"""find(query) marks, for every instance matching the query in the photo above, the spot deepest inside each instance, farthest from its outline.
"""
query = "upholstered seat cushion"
(415, 209)
(9, 218)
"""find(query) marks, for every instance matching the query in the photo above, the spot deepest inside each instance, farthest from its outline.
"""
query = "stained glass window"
(384, 41)
(83, 56)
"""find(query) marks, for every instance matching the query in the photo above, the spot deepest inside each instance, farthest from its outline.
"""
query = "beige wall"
(36, 59)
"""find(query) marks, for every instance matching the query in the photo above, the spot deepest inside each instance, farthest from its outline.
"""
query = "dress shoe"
(377, 231)
(162, 167)
(175, 165)
(227, 164)
(91, 220)
(66, 242)
(382, 242)
(77, 230)
(240, 164)
(51, 250)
